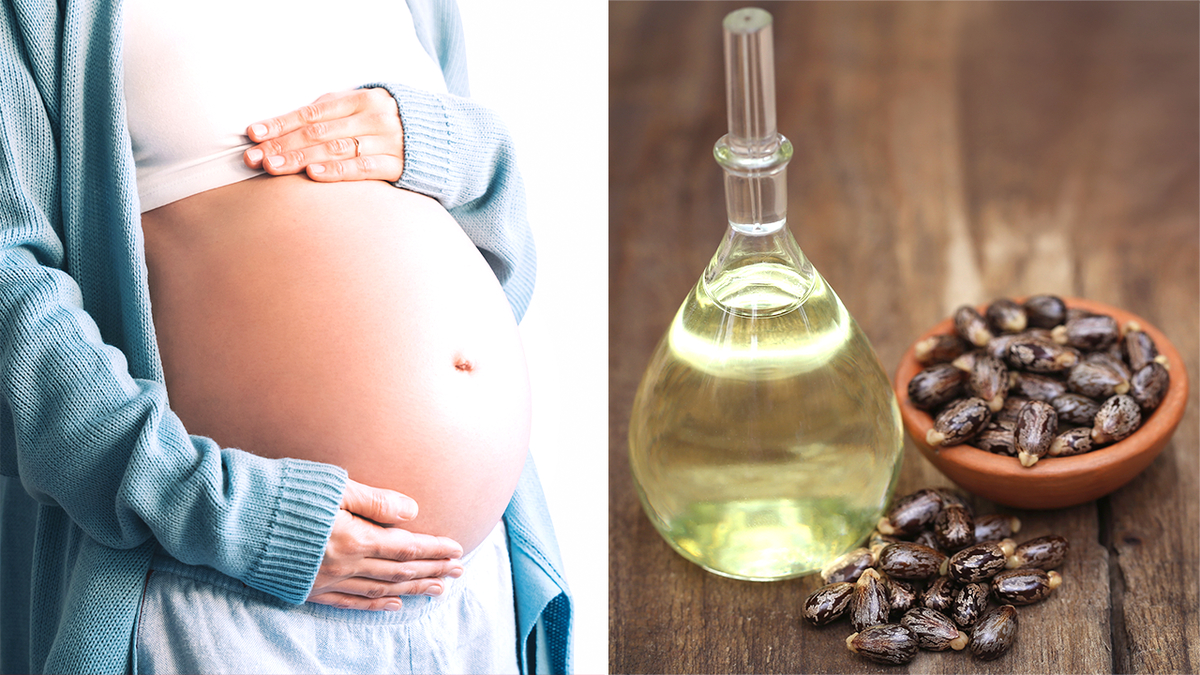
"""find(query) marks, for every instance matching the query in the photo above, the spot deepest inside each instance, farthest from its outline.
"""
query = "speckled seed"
(1092, 333)
(1138, 347)
(969, 604)
(939, 594)
(928, 538)
(994, 633)
(1045, 553)
(906, 560)
(911, 513)
(1012, 406)
(954, 527)
(902, 595)
(1149, 385)
(1035, 387)
(1072, 442)
(878, 540)
(1045, 311)
(936, 386)
(1075, 408)
(967, 361)
(998, 346)
(978, 562)
(889, 643)
(1040, 356)
(996, 526)
(934, 631)
(828, 603)
(959, 422)
(1112, 359)
(1005, 316)
(869, 602)
(848, 566)
(971, 326)
(997, 438)
(1024, 586)
(1116, 420)
(988, 380)
(939, 349)
(1095, 380)
(1037, 425)
(951, 496)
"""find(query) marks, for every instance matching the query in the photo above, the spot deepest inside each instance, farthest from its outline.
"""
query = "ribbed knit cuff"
(310, 496)
(427, 141)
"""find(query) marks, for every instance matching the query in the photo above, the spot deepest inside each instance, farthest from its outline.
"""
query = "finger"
(394, 572)
(316, 142)
(347, 601)
(367, 167)
(328, 107)
(403, 546)
(370, 589)
(387, 507)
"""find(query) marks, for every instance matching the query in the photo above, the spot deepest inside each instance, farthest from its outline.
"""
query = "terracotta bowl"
(1054, 482)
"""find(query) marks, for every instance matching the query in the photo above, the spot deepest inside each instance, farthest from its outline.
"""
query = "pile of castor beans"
(1037, 379)
(927, 576)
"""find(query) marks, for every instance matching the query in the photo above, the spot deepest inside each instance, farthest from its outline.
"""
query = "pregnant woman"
(317, 330)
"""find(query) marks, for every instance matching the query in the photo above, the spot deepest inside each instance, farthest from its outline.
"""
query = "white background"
(543, 65)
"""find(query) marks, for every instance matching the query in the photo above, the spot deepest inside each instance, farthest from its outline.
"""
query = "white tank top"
(198, 73)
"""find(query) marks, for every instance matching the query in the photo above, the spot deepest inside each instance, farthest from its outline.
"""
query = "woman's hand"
(368, 564)
(347, 135)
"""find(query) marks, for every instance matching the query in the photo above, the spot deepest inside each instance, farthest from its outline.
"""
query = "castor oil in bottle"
(765, 438)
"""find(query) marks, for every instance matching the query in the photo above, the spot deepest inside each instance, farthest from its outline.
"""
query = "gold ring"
(357, 147)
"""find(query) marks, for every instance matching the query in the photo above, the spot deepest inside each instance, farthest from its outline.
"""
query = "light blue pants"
(197, 620)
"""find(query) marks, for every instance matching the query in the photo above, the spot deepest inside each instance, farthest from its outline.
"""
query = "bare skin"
(322, 314)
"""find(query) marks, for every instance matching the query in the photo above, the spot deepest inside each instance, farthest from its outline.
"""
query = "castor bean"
(1012, 406)
(906, 560)
(1149, 385)
(996, 526)
(878, 540)
(998, 346)
(1045, 311)
(1116, 420)
(911, 513)
(954, 527)
(889, 643)
(988, 380)
(969, 604)
(1095, 380)
(934, 631)
(1138, 347)
(1112, 359)
(928, 538)
(1025, 585)
(1040, 356)
(901, 594)
(848, 566)
(1075, 408)
(828, 603)
(1072, 442)
(951, 496)
(939, 595)
(939, 349)
(1037, 425)
(1093, 332)
(978, 562)
(958, 422)
(1005, 316)
(994, 633)
(997, 438)
(1034, 386)
(1045, 553)
(869, 602)
(971, 326)
(936, 386)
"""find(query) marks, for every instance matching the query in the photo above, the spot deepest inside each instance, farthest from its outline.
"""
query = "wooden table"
(946, 153)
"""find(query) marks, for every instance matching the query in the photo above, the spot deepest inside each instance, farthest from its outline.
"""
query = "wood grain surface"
(946, 153)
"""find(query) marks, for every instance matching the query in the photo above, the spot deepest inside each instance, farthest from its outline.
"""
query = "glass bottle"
(765, 438)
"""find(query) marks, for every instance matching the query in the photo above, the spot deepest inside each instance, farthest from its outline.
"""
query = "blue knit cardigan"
(95, 469)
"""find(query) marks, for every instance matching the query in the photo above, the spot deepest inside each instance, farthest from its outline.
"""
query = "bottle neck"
(755, 183)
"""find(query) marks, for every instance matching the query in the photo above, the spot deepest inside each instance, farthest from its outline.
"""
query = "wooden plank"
(945, 153)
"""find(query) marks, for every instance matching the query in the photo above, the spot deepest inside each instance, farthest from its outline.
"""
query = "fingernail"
(259, 130)
(392, 607)
(254, 155)
(408, 509)
(456, 573)
(316, 168)
(434, 590)
(275, 161)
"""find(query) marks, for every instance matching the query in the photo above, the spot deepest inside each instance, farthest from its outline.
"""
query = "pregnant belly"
(349, 323)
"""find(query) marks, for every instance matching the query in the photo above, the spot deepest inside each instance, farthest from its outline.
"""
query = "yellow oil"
(765, 438)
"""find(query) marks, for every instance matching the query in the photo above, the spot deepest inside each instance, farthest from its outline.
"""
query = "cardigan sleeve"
(461, 154)
(77, 430)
